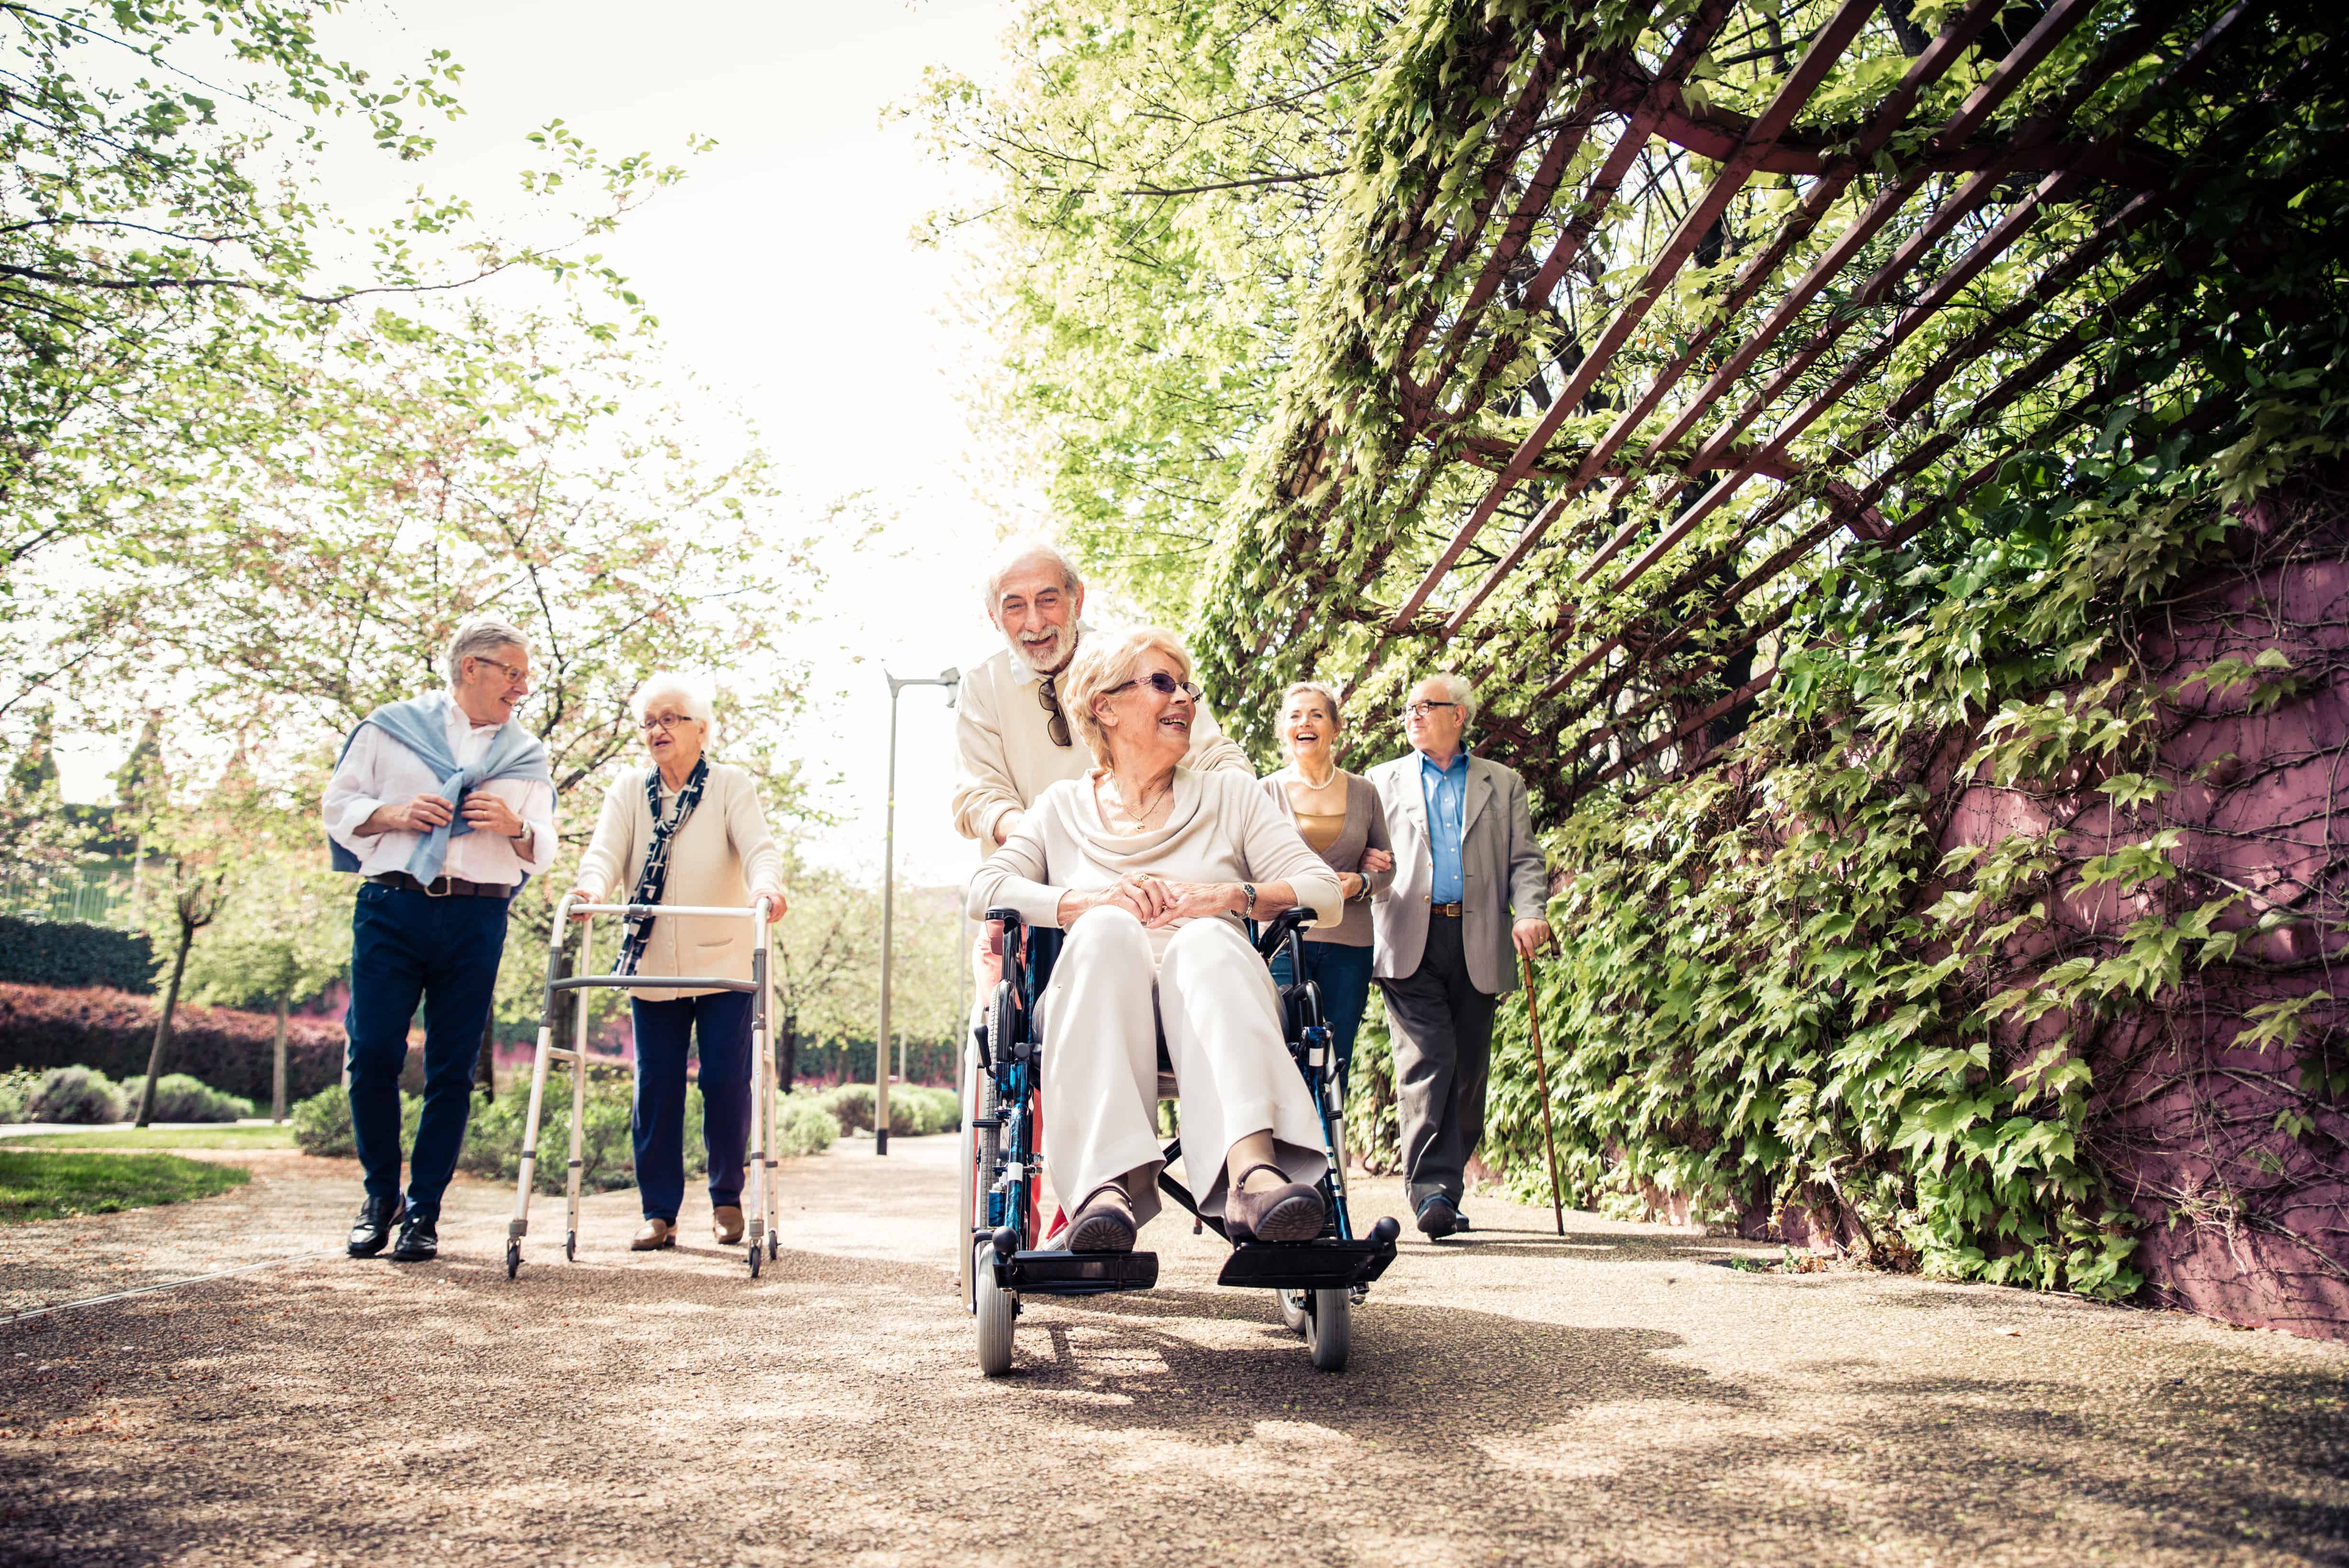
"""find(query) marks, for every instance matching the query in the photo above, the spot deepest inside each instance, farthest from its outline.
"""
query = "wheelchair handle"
(1275, 934)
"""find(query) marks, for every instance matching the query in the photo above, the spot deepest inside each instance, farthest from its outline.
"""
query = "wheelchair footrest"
(1327, 1265)
(1077, 1273)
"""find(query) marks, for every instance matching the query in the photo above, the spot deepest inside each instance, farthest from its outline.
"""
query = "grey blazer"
(1366, 828)
(1502, 873)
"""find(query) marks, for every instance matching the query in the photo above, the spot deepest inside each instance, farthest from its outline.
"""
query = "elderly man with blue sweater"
(443, 807)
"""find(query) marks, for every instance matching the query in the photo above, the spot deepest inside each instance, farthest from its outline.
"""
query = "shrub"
(113, 1031)
(75, 1094)
(803, 1127)
(17, 1088)
(606, 1157)
(322, 1124)
(181, 1098)
(912, 1109)
(74, 953)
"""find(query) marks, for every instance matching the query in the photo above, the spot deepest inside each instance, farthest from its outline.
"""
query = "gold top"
(1320, 828)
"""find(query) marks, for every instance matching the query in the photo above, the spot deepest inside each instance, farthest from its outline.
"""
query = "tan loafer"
(725, 1224)
(656, 1235)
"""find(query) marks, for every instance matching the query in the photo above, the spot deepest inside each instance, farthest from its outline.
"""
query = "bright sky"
(786, 281)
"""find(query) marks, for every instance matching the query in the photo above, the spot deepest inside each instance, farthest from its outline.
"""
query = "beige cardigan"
(1222, 829)
(721, 853)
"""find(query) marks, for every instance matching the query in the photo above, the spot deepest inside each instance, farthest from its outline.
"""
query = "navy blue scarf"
(653, 880)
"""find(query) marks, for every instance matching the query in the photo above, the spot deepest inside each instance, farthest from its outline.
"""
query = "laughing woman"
(686, 831)
(1340, 819)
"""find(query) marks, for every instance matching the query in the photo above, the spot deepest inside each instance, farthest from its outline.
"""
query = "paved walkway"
(1618, 1396)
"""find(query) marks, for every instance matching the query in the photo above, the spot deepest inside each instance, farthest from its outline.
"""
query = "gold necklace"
(1141, 818)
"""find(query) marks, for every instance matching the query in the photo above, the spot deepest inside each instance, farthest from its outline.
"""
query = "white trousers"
(1110, 999)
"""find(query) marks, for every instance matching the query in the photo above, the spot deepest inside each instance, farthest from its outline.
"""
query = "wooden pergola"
(1649, 317)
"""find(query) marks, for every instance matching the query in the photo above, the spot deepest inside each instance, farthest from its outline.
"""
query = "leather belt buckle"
(1451, 910)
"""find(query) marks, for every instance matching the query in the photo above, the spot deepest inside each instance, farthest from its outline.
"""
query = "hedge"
(73, 954)
(112, 1030)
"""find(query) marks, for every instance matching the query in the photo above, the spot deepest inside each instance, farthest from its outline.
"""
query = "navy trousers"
(663, 1029)
(405, 948)
(1343, 976)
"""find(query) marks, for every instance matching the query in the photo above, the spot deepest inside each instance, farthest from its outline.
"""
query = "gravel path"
(1619, 1396)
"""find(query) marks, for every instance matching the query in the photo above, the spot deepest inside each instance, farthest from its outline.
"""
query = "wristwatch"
(1247, 891)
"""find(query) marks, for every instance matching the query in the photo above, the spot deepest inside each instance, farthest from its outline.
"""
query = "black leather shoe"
(1437, 1218)
(420, 1240)
(377, 1217)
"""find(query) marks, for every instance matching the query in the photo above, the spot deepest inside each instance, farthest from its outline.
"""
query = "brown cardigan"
(1366, 828)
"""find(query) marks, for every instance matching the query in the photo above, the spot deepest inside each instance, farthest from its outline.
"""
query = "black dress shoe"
(377, 1217)
(420, 1240)
(1437, 1218)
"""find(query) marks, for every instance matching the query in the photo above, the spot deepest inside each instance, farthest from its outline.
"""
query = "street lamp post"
(951, 679)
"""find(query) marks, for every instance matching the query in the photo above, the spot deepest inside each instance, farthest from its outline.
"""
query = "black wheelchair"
(1317, 1282)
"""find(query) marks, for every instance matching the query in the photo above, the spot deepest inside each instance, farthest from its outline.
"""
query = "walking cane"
(1541, 1076)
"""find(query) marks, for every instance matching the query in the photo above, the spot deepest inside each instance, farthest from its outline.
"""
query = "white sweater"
(1222, 829)
(1003, 741)
(721, 854)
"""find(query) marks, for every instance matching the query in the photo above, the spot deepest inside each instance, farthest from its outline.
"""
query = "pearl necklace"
(1312, 783)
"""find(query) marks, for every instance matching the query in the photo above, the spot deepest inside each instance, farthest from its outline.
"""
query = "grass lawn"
(59, 1186)
(224, 1135)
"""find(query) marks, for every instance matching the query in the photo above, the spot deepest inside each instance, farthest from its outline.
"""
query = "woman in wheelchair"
(1149, 868)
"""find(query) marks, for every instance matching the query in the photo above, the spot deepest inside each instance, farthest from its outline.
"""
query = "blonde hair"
(1321, 689)
(1106, 661)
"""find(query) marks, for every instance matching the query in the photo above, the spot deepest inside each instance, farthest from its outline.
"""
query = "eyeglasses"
(1056, 723)
(667, 721)
(1421, 710)
(514, 677)
(1158, 680)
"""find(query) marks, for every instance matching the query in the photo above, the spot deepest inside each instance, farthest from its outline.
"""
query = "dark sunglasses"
(1056, 723)
(1158, 680)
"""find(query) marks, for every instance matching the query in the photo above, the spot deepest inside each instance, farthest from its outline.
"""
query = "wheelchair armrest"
(1011, 918)
(1271, 939)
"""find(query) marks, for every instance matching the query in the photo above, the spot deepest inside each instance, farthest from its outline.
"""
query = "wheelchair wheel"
(1329, 1329)
(1293, 1312)
(995, 1310)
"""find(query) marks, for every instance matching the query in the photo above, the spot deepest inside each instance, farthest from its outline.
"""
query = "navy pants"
(405, 948)
(1343, 976)
(722, 1020)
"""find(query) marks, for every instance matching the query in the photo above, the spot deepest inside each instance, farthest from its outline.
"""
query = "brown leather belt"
(1451, 910)
(444, 886)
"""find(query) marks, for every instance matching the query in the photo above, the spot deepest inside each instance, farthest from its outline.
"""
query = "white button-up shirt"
(378, 771)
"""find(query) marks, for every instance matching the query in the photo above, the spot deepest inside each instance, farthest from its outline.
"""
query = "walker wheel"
(755, 1250)
(571, 1246)
(513, 1259)
(772, 1246)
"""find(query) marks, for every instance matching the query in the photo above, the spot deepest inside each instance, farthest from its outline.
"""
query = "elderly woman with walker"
(688, 834)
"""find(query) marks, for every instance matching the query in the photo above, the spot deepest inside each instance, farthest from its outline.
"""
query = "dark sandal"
(1290, 1212)
(1103, 1223)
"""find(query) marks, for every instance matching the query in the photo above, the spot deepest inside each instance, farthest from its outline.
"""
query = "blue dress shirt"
(1446, 792)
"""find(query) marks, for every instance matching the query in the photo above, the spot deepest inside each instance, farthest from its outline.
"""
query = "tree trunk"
(163, 1025)
(277, 1058)
(788, 1066)
(485, 1066)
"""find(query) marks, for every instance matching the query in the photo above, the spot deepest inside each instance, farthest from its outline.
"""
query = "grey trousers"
(1443, 1030)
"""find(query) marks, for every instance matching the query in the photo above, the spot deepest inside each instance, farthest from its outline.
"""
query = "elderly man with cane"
(444, 806)
(1465, 859)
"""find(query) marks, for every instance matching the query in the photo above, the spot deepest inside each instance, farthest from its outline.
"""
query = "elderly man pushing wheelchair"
(1012, 733)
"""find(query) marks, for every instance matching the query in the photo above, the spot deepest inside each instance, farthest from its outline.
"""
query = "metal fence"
(99, 895)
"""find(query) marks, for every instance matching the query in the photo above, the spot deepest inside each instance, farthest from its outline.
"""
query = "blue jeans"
(408, 947)
(1344, 975)
(722, 1019)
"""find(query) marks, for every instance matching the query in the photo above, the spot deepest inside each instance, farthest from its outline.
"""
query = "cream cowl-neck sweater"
(1222, 828)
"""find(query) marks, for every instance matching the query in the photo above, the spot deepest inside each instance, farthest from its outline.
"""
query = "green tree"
(170, 262)
(1153, 178)
(285, 934)
(198, 848)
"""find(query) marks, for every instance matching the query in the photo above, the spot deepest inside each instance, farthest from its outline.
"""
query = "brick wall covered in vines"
(2006, 942)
